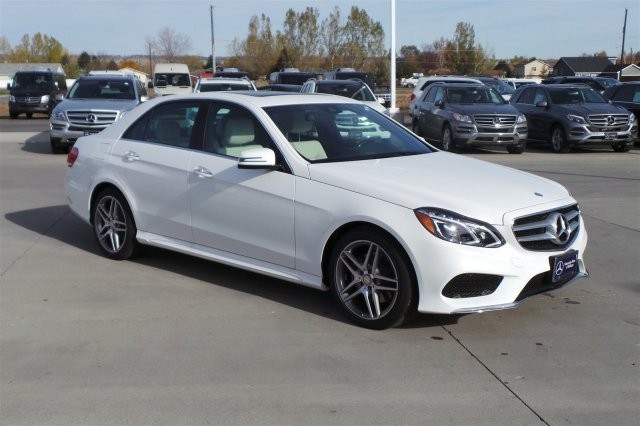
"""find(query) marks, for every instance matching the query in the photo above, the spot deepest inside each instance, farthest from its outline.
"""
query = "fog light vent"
(471, 285)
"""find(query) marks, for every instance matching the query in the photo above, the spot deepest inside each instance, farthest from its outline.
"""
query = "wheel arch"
(100, 188)
(350, 226)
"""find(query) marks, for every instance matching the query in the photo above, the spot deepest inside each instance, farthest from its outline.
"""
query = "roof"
(586, 63)
(12, 68)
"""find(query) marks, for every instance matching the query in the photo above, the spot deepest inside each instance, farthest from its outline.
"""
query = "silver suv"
(93, 102)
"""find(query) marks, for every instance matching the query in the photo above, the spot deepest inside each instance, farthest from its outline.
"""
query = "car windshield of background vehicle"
(102, 89)
(343, 132)
(473, 95)
(223, 87)
(33, 81)
(576, 96)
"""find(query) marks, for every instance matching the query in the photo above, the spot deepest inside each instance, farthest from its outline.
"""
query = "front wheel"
(447, 139)
(621, 147)
(559, 140)
(517, 149)
(113, 226)
(371, 280)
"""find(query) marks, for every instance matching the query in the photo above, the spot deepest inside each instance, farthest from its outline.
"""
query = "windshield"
(473, 95)
(32, 81)
(221, 87)
(500, 87)
(343, 132)
(575, 95)
(608, 82)
(360, 92)
(102, 89)
(172, 79)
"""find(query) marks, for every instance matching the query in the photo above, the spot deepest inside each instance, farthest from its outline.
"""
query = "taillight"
(72, 156)
(413, 96)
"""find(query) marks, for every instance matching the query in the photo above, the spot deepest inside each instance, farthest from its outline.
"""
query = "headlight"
(460, 117)
(58, 115)
(44, 99)
(632, 118)
(12, 98)
(458, 229)
(576, 119)
(521, 119)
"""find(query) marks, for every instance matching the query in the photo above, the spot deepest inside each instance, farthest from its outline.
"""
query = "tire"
(446, 140)
(29, 115)
(559, 140)
(57, 147)
(371, 280)
(113, 226)
(621, 147)
(517, 149)
(13, 115)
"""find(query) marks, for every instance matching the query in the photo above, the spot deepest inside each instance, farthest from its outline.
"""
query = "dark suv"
(94, 102)
(599, 84)
(469, 114)
(570, 115)
(35, 92)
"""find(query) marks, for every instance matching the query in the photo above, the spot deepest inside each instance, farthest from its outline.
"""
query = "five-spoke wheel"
(370, 279)
(113, 225)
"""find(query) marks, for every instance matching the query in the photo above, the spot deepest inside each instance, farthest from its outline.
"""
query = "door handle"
(131, 156)
(202, 172)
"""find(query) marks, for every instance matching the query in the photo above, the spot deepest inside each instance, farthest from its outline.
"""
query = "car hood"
(467, 186)
(599, 108)
(473, 109)
(98, 104)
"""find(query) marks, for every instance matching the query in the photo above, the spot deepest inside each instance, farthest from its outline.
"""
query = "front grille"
(608, 122)
(28, 100)
(92, 118)
(471, 285)
(548, 231)
(494, 120)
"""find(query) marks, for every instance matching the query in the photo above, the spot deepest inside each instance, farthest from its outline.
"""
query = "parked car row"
(455, 113)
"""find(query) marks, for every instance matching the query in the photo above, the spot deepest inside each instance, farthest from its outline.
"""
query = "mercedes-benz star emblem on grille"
(496, 120)
(611, 120)
(91, 118)
(559, 228)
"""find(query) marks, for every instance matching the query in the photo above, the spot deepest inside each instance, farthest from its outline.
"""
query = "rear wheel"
(371, 280)
(13, 115)
(559, 140)
(29, 115)
(447, 139)
(113, 226)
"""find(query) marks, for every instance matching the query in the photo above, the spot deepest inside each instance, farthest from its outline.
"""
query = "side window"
(231, 129)
(526, 97)
(168, 124)
(439, 94)
(429, 95)
(540, 96)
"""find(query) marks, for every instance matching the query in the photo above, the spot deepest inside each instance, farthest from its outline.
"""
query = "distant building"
(533, 69)
(583, 66)
(623, 72)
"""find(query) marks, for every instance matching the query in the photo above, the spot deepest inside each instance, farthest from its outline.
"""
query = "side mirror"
(381, 101)
(257, 158)
(144, 98)
(8, 86)
(542, 104)
(59, 97)
(149, 84)
(439, 103)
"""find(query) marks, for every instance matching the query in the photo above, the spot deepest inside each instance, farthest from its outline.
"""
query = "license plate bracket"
(564, 266)
(610, 136)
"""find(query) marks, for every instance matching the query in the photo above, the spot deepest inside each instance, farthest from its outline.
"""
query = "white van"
(171, 79)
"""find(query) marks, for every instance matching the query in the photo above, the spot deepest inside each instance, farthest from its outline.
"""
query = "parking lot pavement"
(169, 340)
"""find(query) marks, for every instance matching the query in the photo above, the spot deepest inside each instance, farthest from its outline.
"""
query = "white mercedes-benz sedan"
(326, 192)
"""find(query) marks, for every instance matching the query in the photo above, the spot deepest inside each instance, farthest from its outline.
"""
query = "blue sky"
(545, 29)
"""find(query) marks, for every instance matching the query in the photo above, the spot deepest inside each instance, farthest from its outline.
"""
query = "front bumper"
(586, 135)
(467, 134)
(65, 133)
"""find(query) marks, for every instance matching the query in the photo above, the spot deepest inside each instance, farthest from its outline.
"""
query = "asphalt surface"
(171, 340)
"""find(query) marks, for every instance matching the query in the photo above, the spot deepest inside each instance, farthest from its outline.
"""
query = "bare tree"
(170, 45)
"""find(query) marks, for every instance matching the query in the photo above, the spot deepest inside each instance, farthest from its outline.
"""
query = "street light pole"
(213, 45)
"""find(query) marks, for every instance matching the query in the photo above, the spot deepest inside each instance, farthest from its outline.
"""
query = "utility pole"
(624, 30)
(213, 45)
